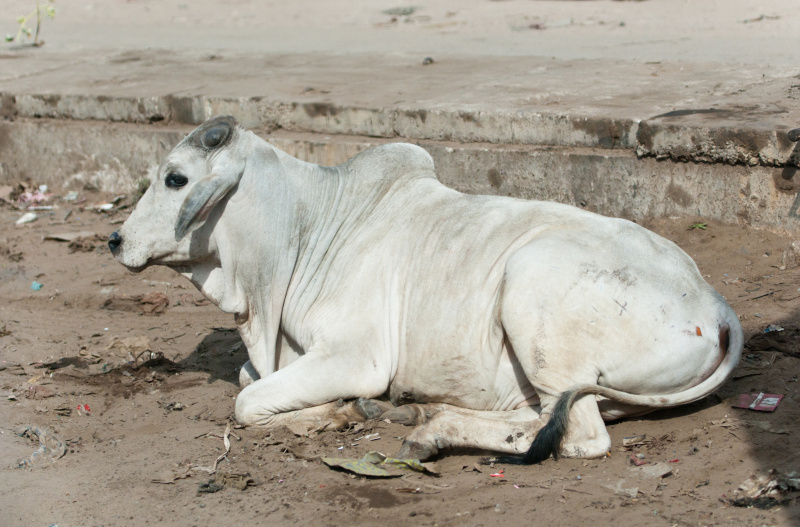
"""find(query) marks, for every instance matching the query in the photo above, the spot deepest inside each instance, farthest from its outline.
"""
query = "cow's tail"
(550, 438)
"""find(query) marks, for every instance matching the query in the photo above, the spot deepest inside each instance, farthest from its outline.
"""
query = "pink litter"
(762, 402)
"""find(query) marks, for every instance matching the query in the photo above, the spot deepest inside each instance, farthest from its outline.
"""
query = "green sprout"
(701, 226)
(38, 15)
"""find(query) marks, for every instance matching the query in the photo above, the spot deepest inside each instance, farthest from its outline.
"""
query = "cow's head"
(191, 182)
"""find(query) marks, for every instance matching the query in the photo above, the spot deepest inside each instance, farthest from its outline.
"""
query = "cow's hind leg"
(509, 432)
(545, 317)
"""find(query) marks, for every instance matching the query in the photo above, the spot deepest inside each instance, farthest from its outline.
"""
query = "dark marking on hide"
(213, 134)
(510, 439)
(624, 276)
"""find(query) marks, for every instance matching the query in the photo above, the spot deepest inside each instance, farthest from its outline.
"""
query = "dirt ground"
(134, 458)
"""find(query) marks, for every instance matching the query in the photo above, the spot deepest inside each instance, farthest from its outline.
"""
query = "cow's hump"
(391, 162)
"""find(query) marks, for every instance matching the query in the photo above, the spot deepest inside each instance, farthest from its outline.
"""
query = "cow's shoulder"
(391, 162)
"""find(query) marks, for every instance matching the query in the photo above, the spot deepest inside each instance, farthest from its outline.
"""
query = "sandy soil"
(733, 31)
(67, 345)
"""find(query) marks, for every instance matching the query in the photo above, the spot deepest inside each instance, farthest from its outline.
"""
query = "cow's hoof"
(414, 450)
(405, 415)
(370, 408)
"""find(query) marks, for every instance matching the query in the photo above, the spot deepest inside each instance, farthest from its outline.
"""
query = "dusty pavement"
(154, 422)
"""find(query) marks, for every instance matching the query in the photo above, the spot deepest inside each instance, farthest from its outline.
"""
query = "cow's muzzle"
(114, 242)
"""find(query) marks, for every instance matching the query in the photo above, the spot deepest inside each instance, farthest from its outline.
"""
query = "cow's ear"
(202, 198)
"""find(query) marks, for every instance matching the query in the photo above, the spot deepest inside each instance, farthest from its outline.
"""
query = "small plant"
(701, 226)
(38, 15)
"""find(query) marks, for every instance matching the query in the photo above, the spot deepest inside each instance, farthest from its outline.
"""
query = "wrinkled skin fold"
(372, 279)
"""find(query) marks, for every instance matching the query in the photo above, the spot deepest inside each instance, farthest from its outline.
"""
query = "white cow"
(372, 278)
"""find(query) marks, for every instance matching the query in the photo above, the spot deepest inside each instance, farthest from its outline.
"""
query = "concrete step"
(114, 156)
(621, 138)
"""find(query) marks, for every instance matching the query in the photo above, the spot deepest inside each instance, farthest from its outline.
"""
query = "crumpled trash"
(377, 465)
(50, 449)
(130, 348)
(36, 286)
(154, 303)
(765, 492)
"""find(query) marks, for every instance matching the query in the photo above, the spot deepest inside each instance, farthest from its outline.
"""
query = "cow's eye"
(175, 180)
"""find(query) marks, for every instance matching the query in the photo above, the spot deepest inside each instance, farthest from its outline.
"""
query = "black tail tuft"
(548, 441)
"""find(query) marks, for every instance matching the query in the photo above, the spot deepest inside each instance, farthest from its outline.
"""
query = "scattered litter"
(786, 342)
(131, 348)
(634, 440)
(83, 409)
(767, 427)
(497, 474)
(222, 481)
(72, 195)
(427, 61)
(227, 442)
(375, 464)
(409, 490)
(50, 449)
(36, 286)
(38, 391)
(64, 410)
(102, 207)
(154, 303)
(28, 217)
(762, 402)
(15, 368)
(772, 327)
(636, 460)
(765, 492)
(676, 460)
(631, 492)
(172, 477)
(653, 470)
(86, 244)
(39, 195)
(190, 299)
(68, 236)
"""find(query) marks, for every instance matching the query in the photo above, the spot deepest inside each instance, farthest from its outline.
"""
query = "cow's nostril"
(114, 241)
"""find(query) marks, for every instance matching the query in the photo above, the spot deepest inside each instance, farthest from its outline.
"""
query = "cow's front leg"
(305, 392)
